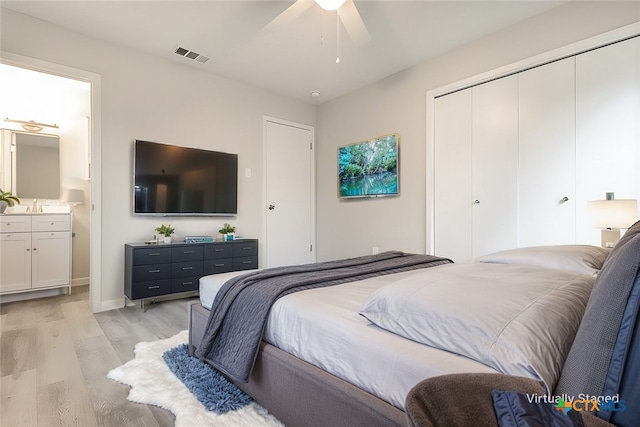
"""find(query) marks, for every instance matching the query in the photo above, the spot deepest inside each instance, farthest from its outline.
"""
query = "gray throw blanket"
(240, 309)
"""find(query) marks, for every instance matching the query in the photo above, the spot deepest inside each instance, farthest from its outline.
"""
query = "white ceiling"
(299, 58)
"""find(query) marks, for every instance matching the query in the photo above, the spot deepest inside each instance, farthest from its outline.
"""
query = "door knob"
(565, 199)
(271, 207)
(476, 202)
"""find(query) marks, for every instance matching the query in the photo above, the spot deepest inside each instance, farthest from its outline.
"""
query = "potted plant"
(7, 199)
(227, 231)
(166, 230)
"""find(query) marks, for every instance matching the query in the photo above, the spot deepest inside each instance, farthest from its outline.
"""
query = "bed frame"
(301, 394)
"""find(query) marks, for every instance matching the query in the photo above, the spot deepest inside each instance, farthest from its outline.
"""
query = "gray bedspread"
(240, 309)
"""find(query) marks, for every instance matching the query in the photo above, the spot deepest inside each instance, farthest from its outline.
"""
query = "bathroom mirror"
(35, 165)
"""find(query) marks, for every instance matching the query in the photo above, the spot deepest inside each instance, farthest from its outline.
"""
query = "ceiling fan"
(347, 12)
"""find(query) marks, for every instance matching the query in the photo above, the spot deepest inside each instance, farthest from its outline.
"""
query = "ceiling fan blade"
(289, 15)
(353, 23)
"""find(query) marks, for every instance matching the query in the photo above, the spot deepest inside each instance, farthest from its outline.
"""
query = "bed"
(349, 354)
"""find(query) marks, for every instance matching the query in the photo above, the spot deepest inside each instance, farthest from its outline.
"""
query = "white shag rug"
(152, 383)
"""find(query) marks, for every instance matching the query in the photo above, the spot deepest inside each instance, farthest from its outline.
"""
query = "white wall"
(149, 98)
(397, 104)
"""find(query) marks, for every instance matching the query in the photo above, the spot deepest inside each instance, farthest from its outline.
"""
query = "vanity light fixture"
(32, 126)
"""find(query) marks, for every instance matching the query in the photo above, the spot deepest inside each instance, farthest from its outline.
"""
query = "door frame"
(95, 129)
(312, 219)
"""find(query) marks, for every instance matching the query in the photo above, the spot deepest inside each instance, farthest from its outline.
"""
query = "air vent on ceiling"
(191, 55)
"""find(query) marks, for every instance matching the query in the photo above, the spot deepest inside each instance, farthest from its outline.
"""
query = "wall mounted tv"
(172, 181)
(369, 168)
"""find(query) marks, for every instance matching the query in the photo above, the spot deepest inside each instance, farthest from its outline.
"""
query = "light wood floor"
(55, 355)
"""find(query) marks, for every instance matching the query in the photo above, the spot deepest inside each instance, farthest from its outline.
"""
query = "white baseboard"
(80, 281)
(112, 304)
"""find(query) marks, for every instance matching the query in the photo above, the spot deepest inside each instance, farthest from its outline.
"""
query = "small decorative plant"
(227, 230)
(7, 199)
(166, 230)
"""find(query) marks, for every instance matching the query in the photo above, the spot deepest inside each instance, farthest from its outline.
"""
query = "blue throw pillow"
(606, 327)
(515, 409)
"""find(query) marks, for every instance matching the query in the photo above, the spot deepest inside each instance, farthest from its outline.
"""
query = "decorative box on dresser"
(36, 252)
(154, 270)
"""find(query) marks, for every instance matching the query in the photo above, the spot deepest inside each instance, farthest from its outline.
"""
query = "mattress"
(209, 285)
(322, 326)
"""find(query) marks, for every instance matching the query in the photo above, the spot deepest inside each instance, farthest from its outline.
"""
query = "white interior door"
(546, 169)
(607, 129)
(453, 198)
(289, 193)
(495, 166)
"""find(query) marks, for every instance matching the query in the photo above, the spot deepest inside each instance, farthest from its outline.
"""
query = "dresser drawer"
(151, 256)
(218, 266)
(15, 224)
(185, 284)
(152, 288)
(244, 249)
(185, 269)
(51, 222)
(144, 273)
(218, 251)
(186, 253)
(245, 263)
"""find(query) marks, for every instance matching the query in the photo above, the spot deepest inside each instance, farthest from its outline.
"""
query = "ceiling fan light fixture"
(330, 4)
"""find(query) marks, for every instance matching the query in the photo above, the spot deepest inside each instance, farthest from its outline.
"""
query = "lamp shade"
(618, 213)
(73, 195)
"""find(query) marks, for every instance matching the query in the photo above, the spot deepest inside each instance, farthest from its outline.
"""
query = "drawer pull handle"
(218, 250)
(187, 283)
(247, 248)
(187, 252)
(219, 265)
(154, 271)
(246, 262)
(187, 268)
(154, 287)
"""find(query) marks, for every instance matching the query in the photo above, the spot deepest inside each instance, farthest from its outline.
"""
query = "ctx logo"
(577, 405)
(591, 405)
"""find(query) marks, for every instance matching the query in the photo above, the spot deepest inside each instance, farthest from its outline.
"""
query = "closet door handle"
(564, 199)
(476, 202)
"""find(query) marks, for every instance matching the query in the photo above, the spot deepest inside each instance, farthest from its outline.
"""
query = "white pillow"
(581, 259)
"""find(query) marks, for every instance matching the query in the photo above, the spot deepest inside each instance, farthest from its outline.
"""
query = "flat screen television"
(369, 168)
(170, 180)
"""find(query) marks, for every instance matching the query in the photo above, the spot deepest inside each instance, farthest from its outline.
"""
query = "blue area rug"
(208, 385)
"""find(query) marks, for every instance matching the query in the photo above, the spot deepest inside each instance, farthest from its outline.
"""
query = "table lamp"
(73, 196)
(611, 215)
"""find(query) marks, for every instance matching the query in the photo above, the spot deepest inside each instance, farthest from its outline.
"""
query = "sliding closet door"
(546, 169)
(476, 161)
(495, 166)
(453, 231)
(607, 128)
